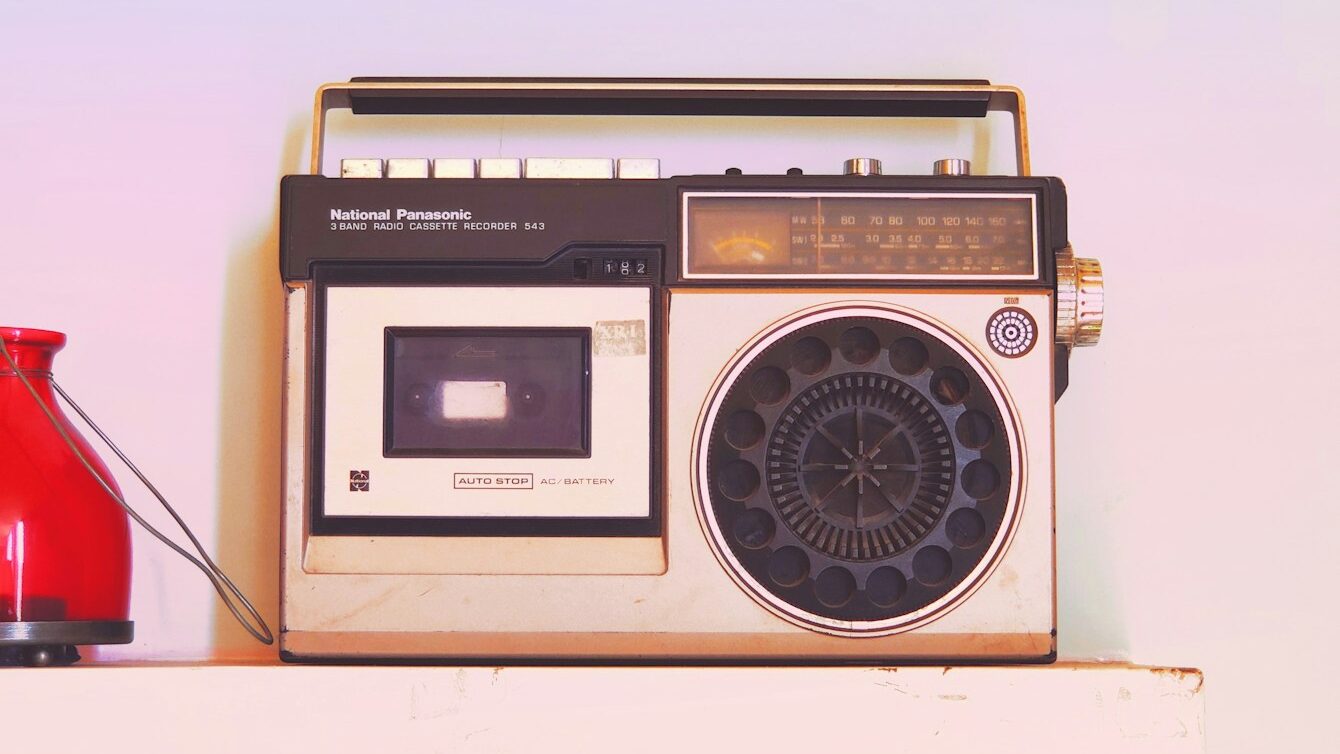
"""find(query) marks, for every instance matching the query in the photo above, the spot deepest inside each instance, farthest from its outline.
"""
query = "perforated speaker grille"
(857, 469)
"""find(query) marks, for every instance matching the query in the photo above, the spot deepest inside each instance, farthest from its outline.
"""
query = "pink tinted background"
(1197, 445)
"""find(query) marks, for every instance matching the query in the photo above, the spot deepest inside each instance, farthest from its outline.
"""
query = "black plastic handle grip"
(768, 97)
(697, 97)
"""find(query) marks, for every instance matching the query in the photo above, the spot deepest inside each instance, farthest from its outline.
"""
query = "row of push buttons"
(502, 167)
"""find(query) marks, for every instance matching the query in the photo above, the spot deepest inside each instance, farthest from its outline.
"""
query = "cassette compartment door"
(496, 410)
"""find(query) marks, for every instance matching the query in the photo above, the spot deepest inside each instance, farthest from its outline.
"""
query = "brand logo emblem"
(471, 351)
(360, 481)
(1011, 332)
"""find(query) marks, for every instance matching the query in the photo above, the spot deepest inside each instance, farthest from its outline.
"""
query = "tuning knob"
(861, 166)
(1079, 299)
(952, 166)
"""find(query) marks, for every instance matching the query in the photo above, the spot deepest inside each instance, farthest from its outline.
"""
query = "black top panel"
(452, 220)
(474, 222)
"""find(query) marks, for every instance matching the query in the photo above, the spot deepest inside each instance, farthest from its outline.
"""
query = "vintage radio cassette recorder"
(567, 409)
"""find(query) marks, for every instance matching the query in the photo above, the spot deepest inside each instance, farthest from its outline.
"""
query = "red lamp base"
(53, 642)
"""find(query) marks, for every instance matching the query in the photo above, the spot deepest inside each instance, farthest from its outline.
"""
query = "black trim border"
(555, 271)
(388, 380)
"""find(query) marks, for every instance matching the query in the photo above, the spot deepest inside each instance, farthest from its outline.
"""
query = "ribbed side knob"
(1079, 299)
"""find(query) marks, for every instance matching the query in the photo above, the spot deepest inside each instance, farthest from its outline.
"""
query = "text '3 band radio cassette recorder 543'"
(568, 409)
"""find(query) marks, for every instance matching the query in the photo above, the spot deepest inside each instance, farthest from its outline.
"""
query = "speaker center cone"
(850, 461)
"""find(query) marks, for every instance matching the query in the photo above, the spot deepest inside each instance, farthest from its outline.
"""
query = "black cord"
(228, 591)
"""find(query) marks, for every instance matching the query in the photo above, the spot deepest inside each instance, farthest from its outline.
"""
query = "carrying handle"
(748, 97)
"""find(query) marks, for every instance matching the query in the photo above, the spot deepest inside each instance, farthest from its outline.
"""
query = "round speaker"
(858, 469)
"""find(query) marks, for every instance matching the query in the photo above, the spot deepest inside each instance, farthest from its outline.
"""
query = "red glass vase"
(64, 541)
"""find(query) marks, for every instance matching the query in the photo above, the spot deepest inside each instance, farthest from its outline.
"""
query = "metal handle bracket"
(697, 97)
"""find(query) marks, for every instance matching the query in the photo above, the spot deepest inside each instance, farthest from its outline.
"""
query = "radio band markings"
(841, 235)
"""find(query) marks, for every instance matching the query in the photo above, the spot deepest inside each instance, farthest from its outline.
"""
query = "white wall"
(142, 148)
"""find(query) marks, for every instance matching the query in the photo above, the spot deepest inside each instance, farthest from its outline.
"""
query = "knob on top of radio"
(862, 166)
(1079, 299)
(952, 166)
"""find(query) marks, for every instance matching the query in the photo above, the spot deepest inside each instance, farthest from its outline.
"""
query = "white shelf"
(282, 708)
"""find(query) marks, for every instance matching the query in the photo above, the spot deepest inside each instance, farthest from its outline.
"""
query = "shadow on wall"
(249, 422)
(1090, 617)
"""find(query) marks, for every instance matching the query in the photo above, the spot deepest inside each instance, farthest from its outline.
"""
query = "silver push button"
(638, 168)
(407, 167)
(569, 167)
(499, 167)
(862, 166)
(360, 168)
(952, 166)
(454, 167)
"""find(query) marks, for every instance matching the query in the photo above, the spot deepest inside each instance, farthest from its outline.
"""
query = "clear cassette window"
(487, 392)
